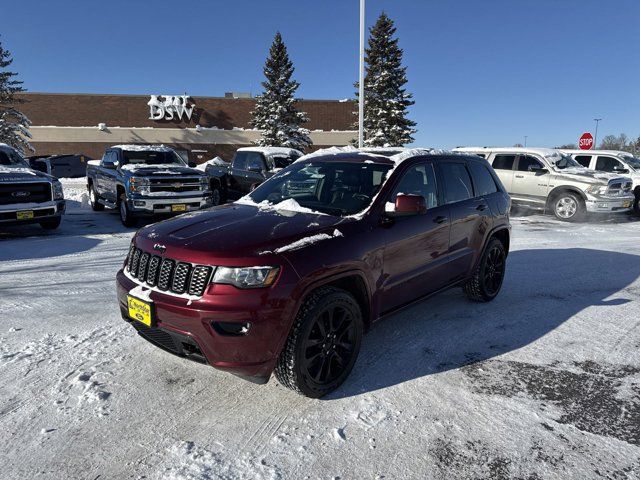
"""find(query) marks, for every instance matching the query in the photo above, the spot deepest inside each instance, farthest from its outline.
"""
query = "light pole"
(525, 140)
(361, 81)
(595, 140)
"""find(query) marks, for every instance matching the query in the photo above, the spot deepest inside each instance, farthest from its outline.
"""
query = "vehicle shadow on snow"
(542, 289)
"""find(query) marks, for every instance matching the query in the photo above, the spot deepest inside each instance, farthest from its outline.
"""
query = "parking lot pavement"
(544, 382)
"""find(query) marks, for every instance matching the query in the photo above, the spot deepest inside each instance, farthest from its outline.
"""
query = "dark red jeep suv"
(288, 278)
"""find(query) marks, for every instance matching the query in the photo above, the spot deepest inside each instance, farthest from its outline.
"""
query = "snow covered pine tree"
(14, 125)
(386, 100)
(276, 114)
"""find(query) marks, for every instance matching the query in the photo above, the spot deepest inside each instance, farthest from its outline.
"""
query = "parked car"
(60, 166)
(547, 179)
(144, 181)
(611, 161)
(250, 167)
(288, 278)
(26, 195)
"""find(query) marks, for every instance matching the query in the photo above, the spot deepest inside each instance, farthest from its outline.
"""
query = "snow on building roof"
(271, 150)
(143, 148)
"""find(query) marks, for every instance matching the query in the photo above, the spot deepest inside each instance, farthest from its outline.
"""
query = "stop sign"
(586, 141)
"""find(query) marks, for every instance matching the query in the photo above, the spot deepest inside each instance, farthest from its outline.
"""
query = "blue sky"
(482, 72)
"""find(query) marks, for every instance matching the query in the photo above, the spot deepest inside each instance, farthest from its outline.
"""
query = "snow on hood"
(169, 168)
(289, 205)
(7, 169)
(214, 161)
(304, 242)
(599, 177)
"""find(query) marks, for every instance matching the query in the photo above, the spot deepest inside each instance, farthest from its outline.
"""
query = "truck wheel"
(323, 343)
(568, 207)
(216, 195)
(636, 204)
(126, 217)
(93, 199)
(51, 224)
(486, 282)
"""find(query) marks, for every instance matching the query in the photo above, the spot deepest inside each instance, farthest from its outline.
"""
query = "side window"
(526, 161)
(240, 161)
(608, 164)
(255, 162)
(504, 162)
(457, 182)
(584, 160)
(418, 180)
(109, 157)
(482, 179)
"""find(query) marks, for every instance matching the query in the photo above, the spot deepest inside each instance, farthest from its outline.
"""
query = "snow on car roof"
(271, 150)
(619, 153)
(395, 155)
(143, 148)
(545, 152)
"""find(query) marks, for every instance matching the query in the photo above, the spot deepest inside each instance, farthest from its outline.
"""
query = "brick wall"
(85, 110)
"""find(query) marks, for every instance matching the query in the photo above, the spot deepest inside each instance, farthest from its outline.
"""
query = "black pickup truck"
(28, 196)
(145, 180)
(250, 167)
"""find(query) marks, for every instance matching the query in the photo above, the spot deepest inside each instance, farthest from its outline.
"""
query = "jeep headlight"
(597, 189)
(58, 192)
(246, 277)
(139, 185)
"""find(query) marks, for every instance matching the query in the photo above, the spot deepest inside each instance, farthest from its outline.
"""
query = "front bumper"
(605, 204)
(148, 206)
(41, 211)
(191, 327)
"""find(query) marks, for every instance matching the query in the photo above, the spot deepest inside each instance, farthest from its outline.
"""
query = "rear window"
(151, 157)
(504, 162)
(457, 182)
(483, 181)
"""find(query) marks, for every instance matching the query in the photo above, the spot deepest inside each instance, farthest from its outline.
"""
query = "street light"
(361, 83)
(595, 140)
(525, 140)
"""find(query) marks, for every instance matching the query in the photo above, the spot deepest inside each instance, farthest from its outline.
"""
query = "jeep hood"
(237, 230)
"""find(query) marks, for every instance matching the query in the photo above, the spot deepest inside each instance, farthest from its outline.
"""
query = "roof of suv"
(383, 155)
(539, 151)
(619, 153)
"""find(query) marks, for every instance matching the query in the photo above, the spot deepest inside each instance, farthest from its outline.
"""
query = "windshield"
(562, 161)
(633, 162)
(335, 188)
(151, 157)
(11, 158)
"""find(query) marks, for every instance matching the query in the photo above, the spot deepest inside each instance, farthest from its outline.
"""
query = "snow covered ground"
(544, 382)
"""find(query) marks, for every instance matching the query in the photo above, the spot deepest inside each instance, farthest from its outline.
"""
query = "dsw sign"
(167, 107)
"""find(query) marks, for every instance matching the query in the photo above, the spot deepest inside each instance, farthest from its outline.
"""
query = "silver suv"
(547, 179)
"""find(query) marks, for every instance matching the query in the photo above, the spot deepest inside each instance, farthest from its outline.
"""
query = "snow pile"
(187, 461)
(214, 161)
(305, 242)
(75, 192)
(143, 148)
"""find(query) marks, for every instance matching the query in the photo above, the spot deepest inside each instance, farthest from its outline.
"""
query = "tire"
(127, 219)
(334, 346)
(568, 207)
(636, 204)
(93, 199)
(216, 195)
(486, 282)
(52, 223)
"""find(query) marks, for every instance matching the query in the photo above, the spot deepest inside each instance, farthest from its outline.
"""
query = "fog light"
(230, 329)
(603, 205)
(139, 203)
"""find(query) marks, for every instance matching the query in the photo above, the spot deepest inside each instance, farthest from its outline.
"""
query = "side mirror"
(407, 205)
(537, 169)
(255, 169)
(110, 165)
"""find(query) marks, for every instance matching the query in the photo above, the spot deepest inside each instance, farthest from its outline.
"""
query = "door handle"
(482, 207)
(440, 219)
(519, 176)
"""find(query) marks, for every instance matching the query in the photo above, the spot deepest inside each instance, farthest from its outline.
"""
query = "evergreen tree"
(275, 113)
(386, 99)
(14, 125)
